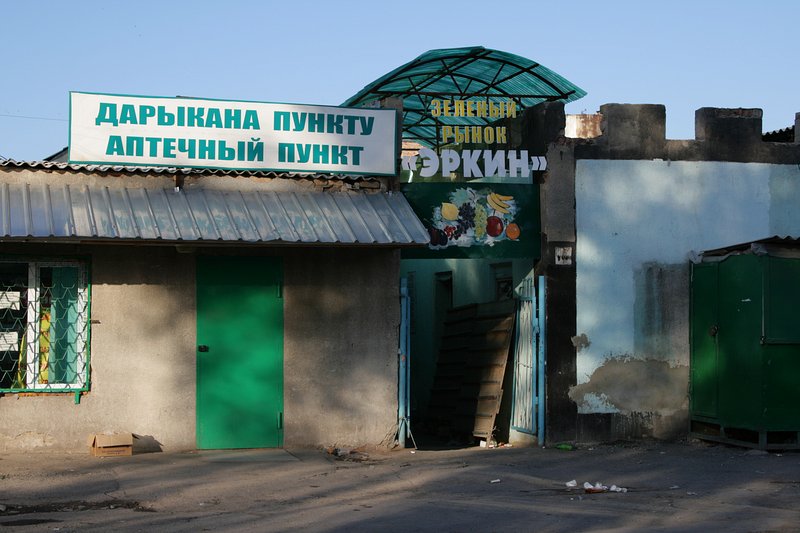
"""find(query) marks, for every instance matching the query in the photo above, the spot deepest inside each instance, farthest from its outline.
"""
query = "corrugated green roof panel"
(466, 73)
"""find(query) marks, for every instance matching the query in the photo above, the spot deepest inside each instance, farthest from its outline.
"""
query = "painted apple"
(434, 235)
(438, 237)
(494, 226)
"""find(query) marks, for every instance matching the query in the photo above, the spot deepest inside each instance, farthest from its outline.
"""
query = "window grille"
(44, 326)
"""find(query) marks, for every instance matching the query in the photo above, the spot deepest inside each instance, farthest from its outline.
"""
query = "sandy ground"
(690, 486)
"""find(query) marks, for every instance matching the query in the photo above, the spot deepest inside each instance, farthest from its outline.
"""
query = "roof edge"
(55, 165)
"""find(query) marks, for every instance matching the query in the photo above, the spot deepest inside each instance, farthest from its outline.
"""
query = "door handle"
(202, 348)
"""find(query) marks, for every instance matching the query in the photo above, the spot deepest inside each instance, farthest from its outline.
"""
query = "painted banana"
(497, 205)
(498, 202)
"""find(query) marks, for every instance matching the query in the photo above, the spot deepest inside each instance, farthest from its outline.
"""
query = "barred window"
(44, 326)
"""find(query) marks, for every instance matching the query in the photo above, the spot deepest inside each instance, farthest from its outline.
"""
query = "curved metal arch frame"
(450, 68)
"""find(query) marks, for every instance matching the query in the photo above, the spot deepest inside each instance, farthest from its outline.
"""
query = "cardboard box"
(111, 445)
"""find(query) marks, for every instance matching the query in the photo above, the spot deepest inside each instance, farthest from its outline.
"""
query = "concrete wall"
(342, 315)
(557, 192)
(634, 206)
(644, 206)
(142, 356)
(341, 318)
(638, 225)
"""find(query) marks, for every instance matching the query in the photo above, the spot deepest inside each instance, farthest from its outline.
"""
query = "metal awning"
(775, 245)
(474, 73)
(81, 212)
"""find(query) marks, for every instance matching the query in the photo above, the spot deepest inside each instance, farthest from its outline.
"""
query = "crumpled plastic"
(597, 487)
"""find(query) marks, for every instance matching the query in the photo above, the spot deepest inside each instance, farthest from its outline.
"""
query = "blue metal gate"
(527, 414)
(404, 368)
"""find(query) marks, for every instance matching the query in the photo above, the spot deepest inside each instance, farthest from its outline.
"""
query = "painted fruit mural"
(472, 217)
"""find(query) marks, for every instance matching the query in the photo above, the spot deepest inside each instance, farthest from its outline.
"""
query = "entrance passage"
(468, 386)
(239, 352)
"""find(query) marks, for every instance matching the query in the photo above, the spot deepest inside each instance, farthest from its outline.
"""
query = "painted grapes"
(473, 218)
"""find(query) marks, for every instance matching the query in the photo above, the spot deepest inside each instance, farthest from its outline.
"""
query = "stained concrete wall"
(342, 314)
(636, 206)
(644, 207)
(557, 193)
(638, 225)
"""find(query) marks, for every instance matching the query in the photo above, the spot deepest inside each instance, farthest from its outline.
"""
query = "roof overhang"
(776, 245)
(177, 173)
(200, 216)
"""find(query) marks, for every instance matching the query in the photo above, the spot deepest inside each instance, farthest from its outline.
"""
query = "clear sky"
(683, 54)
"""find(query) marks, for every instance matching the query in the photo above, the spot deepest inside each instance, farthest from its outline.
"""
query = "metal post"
(541, 396)
(402, 386)
(407, 333)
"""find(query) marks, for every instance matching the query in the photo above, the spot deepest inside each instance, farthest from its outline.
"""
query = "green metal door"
(704, 335)
(239, 353)
(740, 367)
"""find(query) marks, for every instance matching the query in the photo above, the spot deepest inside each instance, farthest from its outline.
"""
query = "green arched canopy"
(474, 73)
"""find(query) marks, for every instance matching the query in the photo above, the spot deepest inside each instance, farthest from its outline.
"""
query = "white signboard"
(9, 341)
(201, 133)
(10, 300)
(564, 255)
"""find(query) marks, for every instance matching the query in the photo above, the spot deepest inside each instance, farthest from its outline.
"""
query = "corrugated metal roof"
(64, 212)
(34, 165)
(785, 135)
(766, 246)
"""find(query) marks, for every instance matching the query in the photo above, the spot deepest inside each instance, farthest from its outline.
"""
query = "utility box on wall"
(745, 345)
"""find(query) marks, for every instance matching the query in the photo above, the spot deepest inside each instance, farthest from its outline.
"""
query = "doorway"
(239, 352)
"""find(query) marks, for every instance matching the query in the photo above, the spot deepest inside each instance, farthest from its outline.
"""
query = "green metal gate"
(239, 352)
(745, 348)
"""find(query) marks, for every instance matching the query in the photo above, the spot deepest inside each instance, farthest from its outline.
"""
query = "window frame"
(32, 325)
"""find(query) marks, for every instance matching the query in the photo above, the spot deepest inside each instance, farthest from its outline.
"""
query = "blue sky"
(685, 55)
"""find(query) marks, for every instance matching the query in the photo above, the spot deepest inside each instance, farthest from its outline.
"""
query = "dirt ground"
(688, 486)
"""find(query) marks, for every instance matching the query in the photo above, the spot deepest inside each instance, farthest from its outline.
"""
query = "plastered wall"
(341, 317)
(341, 320)
(638, 224)
(142, 358)
(341, 313)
